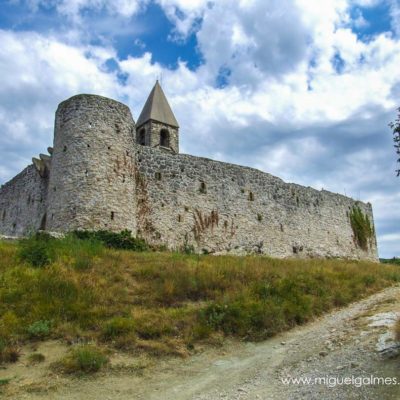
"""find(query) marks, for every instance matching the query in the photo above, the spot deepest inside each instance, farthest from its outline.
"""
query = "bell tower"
(157, 125)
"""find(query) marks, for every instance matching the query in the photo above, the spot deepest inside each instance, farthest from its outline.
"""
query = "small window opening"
(158, 176)
(43, 222)
(203, 188)
(112, 215)
(281, 228)
(14, 225)
(88, 145)
(109, 147)
(117, 128)
(65, 149)
(164, 138)
(141, 139)
(4, 215)
(251, 196)
(179, 218)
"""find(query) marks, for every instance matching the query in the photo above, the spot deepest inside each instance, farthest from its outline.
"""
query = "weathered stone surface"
(101, 178)
(92, 181)
(23, 203)
(219, 207)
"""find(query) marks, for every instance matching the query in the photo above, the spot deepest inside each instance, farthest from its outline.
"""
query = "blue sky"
(302, 89)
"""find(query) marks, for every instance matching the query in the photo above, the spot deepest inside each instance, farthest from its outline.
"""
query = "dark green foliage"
(122, 240)
(35, 250)
(362, 228)
(36, 358)
(40, 250)
(39, 329)
(394, 260)
(188, 249)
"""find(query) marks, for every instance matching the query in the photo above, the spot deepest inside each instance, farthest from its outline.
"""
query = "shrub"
(35, 251)
(36, 358)
(122, 240)
(39, 329)
(83, 359)
(8, 353)
(362, 228)
(118, 326)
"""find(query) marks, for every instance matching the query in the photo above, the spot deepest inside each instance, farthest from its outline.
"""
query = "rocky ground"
(354, 343)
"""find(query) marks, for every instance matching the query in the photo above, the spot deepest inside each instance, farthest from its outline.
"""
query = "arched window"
(141, 137)
(164, 138)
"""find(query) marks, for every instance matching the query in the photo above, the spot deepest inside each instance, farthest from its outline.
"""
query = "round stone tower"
(92, 177)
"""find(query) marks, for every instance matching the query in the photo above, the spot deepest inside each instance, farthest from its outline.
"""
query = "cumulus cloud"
(38, 72)
(286, 86)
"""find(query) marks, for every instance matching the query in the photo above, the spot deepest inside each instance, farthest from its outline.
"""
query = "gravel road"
(353, 343)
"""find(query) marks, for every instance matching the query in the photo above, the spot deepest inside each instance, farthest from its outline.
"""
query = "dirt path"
(341, 344)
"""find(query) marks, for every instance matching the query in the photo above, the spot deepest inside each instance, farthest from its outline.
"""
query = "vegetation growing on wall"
(362, 228)
(204, 222)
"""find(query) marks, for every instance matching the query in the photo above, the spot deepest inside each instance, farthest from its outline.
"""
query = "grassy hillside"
(164, 303)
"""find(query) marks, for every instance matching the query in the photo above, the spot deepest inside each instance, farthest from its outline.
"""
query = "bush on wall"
(362, 227)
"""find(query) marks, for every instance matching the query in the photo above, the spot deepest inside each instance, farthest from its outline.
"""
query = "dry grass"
(167, 303)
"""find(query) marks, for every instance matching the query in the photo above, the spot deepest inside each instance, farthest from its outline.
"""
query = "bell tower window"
(164, 138)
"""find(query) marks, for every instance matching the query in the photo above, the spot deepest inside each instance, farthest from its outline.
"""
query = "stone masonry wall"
(100, 178)
(224, 208)
(23, 203)
(92, 177)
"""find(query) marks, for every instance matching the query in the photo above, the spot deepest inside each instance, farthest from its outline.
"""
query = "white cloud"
(286, 109)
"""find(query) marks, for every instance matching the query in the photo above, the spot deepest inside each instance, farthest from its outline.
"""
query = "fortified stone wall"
(23, 203)
(92, 179)
(219, 207)
(98, 177)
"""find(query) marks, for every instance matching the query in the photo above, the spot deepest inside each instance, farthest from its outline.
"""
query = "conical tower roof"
(157, 109)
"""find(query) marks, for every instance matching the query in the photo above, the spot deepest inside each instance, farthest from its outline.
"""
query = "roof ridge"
(157, 108)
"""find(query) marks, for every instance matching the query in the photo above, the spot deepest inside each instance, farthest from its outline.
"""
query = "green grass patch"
(166, 303)
(118, 326)
(85, 359)
(116, 240)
